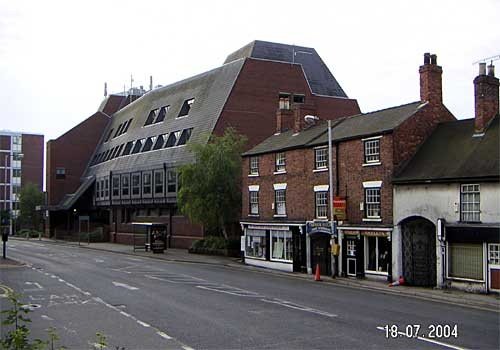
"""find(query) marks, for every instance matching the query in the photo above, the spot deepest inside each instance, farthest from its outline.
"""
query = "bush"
(28, 233)
(216, 245)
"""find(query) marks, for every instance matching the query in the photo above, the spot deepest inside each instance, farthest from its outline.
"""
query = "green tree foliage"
(29, 198)
(210, 188)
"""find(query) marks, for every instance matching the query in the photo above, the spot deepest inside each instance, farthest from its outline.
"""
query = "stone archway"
(419, 251)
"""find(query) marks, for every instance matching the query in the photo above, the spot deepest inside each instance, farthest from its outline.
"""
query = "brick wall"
(32, 161)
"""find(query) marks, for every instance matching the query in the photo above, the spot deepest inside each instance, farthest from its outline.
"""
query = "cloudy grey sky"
(56, 55)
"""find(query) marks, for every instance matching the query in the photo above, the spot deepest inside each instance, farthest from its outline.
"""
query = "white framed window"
(321, 158)
(255, 243)
(115, 186)
(106, 187)
(126, 185)
(146, 184)
(136, 185)
(351, 247)
(377, 254)
(284, 101)
(254, 165)
(254, 202)
(372, 203)
(281, 245)
(321, 204)
(280, 162)
(470, 203)
(465, 261)
(159, 175)
(17, 142)
(280, 200)
(372, 150)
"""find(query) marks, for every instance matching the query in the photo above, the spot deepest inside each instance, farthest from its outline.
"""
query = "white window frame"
(473, 191)
(253, 202)
(250, 241)
(370, 204)
(371, 150)
(254, 166)
(280, 206)
(287, 250)
(377, 255)
(321, 202)
(280, 163)
(323, 163)
(483, 264)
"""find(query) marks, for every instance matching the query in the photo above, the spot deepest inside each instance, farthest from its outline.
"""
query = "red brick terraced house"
(286, 206)
(131, 176)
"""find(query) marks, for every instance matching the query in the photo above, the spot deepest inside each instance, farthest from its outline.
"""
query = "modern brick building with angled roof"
(131, 175)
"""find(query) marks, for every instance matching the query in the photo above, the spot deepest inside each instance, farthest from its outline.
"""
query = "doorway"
(320, 253)
(494, 266)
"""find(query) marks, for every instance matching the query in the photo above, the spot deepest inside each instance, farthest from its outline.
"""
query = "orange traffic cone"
(399, 282)
(317, 276)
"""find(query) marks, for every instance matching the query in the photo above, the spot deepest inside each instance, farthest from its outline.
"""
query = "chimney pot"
(434, 59)
(491, 70)
(482, 68)
(427, 58)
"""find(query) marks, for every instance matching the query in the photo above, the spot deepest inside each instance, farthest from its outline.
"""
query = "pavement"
(489, 302)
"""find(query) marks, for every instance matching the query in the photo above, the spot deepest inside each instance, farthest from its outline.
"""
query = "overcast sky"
(56, 55)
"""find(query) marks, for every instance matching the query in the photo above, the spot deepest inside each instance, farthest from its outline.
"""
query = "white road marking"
(45, 317)
(430, 341)
(144, 324)
(99, 260)
(297, 307)
(124, 285)
(36, 284)
(163, 335)
(187, 347)
(125, 314)
(232, 291)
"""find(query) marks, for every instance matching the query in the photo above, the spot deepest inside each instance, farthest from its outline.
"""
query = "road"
(141, 303)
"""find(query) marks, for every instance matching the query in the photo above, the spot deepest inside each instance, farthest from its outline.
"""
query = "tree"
(29, 198)
(210, 188)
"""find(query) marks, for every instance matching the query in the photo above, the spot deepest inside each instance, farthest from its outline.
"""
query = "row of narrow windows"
(158, 115)
(122, 129)
(175, 138)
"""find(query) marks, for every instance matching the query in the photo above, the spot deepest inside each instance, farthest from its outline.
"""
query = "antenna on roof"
(150, 82)
(105, 89)
(491, 59)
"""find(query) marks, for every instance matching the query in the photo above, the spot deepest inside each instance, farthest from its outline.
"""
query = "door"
(494, 267)
(419, 252)
(320, 253)
(299, 251)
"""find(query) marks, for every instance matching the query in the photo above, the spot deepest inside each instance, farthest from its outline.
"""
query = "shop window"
(281, 245)
(321, 204)
(321, 158)
(280, 200)
(254, 165)
(186, 107)
(254, 202)
(158, 174)
(470, 203)
(284, 101)
(115, 186)
(60, 173)
(280, 162)
(255, 246)
(372, 203)
(184, 137)
(146, 184)
(160, 140)
(125, 185)
(171, 181)
(465, 261)
(136, 185)
(377, 253)
(372, 150)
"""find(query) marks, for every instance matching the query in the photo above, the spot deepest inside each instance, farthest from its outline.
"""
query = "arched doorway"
(419, 251)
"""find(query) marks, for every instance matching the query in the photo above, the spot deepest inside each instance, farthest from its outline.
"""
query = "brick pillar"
(284, 120)
(430, 80)
(485, 97)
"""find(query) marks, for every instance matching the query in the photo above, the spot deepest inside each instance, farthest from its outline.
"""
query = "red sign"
(339, 208)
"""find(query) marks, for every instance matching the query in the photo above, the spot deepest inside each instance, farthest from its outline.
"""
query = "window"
(254, 202)
(160, 140)
(254, 165)
(158, 182)
(298, 98)
(321, 204)
(106, 187)
(172, 139)
(146, 184)
(465, 261)
(115, 185)
(377, 253)
(138, 146)
(125, 185)
(17, 142)
(128, 148)
(97, 189)
(281, 245)
(280, 200)
(102, 189)
(136, 184)
(186, 107)
(186, 134)
(284, 101)
(17, 173)
(151, 117)
(372, 202)
(372, 151)
(60, 173)
(255, 243)
(162, 114)
(127, 124)
(280, 162)
(118, 131)
(470, 203)
(149, 144)
(171, 181)
(109, 135)
(351, 247)
(118, 153)
(321, 158)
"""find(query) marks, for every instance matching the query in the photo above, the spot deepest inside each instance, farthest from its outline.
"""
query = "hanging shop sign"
(320, 227)
(339, 208)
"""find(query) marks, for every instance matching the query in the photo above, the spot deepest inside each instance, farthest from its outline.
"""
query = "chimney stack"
(486, 99)
(430, 80)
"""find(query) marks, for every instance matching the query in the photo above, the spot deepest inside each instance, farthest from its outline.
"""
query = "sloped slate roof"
(453, 153)
(320, 79)
(70, 199)
(366, 124)
(210, 91)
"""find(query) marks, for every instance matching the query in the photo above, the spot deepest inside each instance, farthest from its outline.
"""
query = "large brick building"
(131, 175)
(21, 162)
(286, 187)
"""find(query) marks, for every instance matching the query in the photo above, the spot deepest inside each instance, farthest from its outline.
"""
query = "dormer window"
(284, 101)
(186, 107)
(298, 98)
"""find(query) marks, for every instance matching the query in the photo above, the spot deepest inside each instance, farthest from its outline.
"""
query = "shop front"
(279, 247)
(366, 252)
(320, 237)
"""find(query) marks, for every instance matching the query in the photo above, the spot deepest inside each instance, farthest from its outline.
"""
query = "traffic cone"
(399, 282)
(317, 276)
